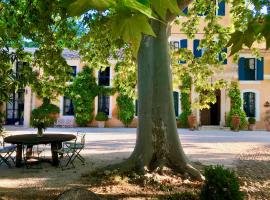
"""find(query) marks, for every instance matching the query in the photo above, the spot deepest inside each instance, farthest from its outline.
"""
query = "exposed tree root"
(135, 165)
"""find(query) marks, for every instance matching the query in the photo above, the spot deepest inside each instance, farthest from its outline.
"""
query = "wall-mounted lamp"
(266, 104)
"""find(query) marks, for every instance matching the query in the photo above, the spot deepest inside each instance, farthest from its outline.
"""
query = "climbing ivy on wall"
(185, 100)
(83, 91)
(125, 109)
(236, 106)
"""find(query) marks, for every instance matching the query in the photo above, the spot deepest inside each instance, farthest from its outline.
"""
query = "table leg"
(55, 146)
(19, 155)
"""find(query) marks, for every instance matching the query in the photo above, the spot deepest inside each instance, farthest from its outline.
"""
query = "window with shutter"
(221, 8)
(260, 69)
(197, 52)
(251, 69)
(183, 44)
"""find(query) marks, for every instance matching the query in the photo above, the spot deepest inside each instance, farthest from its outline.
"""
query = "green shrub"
(101, 116)
(185, 101)
(236, 106)
(126, 109)
(42, 118)
(251, 120)
(83, 91)
(220, 184)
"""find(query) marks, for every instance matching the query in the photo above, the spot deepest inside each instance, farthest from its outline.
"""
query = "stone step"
(210, 127)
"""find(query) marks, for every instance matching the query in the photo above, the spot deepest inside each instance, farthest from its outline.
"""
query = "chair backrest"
(81, 137)
(2, 136)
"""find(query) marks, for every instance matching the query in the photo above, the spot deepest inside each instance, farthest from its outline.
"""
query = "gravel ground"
(248, 152)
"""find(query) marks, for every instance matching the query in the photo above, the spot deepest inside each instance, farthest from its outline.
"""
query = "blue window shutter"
(197, 52)
(220, 58)
(185, 11)
(183, 44)
(176, 103)
(260, 69)
(241, 69)
(221, 8)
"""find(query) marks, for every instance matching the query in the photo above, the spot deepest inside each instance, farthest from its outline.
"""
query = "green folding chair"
(71, 151)
(6, 153)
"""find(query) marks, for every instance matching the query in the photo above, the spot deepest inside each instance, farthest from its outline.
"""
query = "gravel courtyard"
(110, 145)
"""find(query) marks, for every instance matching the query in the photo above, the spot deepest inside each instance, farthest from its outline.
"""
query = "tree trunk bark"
(157, 143)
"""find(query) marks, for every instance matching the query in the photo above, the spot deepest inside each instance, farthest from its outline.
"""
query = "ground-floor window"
(250, 104)
(104, 104)
(68, 107)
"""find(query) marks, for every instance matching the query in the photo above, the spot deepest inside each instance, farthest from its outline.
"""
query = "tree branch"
(181, 5)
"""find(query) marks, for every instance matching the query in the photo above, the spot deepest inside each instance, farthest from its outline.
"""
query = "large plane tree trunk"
(157, 143)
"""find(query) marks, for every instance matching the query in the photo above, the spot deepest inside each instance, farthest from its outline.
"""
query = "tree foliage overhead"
(251, 21)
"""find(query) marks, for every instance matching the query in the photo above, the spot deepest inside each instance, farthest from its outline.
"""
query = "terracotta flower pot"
(54, 115)
(252, 127)
(192, 121)
(101, 124)
(235, 122)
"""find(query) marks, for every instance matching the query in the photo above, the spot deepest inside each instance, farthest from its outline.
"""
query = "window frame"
(64, 106)
(257, 101)
(106, 77)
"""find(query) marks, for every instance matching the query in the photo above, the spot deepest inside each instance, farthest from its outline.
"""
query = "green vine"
(125, 109)
(185, 100)
(83, 91)
(236, 106)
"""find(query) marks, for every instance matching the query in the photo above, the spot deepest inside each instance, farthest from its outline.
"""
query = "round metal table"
(32, 139)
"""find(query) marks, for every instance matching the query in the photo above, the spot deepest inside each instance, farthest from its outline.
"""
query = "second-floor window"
(104, 77)
(250, 69)
(68, 108)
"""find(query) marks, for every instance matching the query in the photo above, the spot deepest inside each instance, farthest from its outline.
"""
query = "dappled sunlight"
(106, 148)
(22, 182)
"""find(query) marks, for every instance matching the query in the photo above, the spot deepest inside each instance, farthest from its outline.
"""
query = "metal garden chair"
(71, 150)
(31, 156)
(6, 153)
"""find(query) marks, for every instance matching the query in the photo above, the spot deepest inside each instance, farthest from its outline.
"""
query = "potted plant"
(101, 117)
(192, 121)
(43, 117)
(235, 122)
(267, 120)
(251, 124)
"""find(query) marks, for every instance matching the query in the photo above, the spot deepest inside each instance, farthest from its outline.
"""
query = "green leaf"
(78, 7)
(141, 7)
(161, 7)
(130, 28)
(236, 42)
